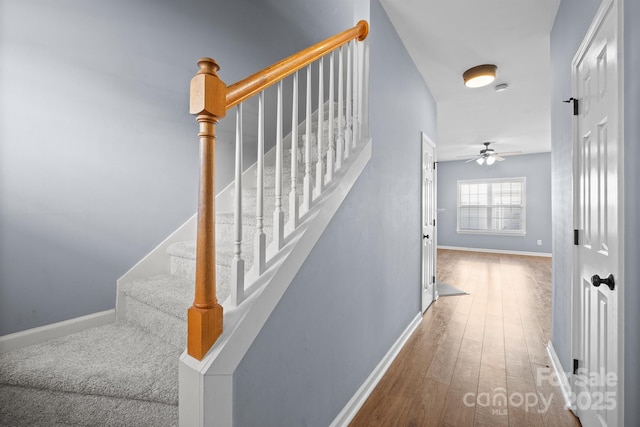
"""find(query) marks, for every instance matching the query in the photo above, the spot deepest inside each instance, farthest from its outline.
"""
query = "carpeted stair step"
(249, 204)
(34, 407)
(158, 305)
(225, 228)
(225, 255)
(111, 375)
(183, 261)
(269, 177)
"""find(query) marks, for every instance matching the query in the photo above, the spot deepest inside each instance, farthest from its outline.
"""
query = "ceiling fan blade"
(499, 158)
(473, 159)
(510, 153)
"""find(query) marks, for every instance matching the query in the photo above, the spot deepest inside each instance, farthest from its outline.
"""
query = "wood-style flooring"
(478, 359)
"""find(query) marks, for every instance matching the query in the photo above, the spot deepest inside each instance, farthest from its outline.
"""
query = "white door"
(429, 291)
(596, 213)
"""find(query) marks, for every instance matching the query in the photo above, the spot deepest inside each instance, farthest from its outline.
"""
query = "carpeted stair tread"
(115, 360)
(225, 254)
(170, 294)
(248, 219)
(186, 249)
(32, 407)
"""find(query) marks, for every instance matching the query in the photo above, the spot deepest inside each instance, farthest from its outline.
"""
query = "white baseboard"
(561, 375)
(55, 330)
(353, 406)
(496, 251)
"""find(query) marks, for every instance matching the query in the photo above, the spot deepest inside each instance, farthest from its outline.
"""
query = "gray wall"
(572, 21)
(536, 168)
(360, 287)
(98, 154)
(631, 211)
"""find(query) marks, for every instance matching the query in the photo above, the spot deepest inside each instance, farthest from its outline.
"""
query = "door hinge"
(434, 164)
(434, 222)
(575, 104)
(576, 237)
(433, 279)
(575, 366)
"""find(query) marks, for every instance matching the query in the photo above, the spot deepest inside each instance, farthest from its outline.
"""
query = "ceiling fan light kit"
(480, 75)
(489, 156)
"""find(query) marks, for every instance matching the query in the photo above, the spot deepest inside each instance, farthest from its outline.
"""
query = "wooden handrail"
(261, 80)
(210, 99)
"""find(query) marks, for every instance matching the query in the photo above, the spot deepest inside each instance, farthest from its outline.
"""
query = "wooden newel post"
(204, 318)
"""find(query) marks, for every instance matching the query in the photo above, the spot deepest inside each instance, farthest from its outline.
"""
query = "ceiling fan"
(489, 156)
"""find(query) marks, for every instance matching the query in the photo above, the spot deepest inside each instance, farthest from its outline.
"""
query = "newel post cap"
(208, 93)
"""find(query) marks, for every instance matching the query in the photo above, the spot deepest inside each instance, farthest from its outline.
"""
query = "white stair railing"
(320, 134)
(210, 99)
(306, 197)
(356, 91)
(340, 141)
(317, 174)
(331, 141)
(293, 194)
(237, 265)
(260, 240)
(348, 134)
(278, 214)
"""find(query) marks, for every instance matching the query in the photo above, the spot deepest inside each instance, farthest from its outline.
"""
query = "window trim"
(492, 232)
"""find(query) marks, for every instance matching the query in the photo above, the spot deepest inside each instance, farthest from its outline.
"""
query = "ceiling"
(447, 37)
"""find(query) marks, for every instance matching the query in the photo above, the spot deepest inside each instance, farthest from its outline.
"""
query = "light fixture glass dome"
(480, 160)
(490, 160)
(480, 75)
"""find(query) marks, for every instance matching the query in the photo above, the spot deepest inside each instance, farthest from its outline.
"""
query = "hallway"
(478, 359)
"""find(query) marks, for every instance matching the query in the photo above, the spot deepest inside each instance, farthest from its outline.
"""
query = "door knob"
(609, 281)
(425, 236)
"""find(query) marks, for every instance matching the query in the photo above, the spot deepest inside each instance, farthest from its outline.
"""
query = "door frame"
(424, 138)
(616, 8)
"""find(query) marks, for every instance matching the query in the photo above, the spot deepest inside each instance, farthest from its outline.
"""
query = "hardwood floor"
(478, 359)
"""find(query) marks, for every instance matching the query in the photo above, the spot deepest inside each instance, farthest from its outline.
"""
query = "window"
(492, 206)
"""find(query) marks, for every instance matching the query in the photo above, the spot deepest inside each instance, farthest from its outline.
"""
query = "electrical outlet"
(539, 242)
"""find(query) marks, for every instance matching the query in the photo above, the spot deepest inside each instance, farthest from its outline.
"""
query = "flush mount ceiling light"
(480, 75)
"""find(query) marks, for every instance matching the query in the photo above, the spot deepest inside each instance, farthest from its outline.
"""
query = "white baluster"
(293, 195)
(278, 214)
(340, 141)
(306, 195)
(320, 138)
(237, 265)
(260, 238)
(356, 91)
(331, 118)
(348, 135)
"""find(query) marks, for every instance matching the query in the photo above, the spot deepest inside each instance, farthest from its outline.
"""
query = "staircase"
(126, 373)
